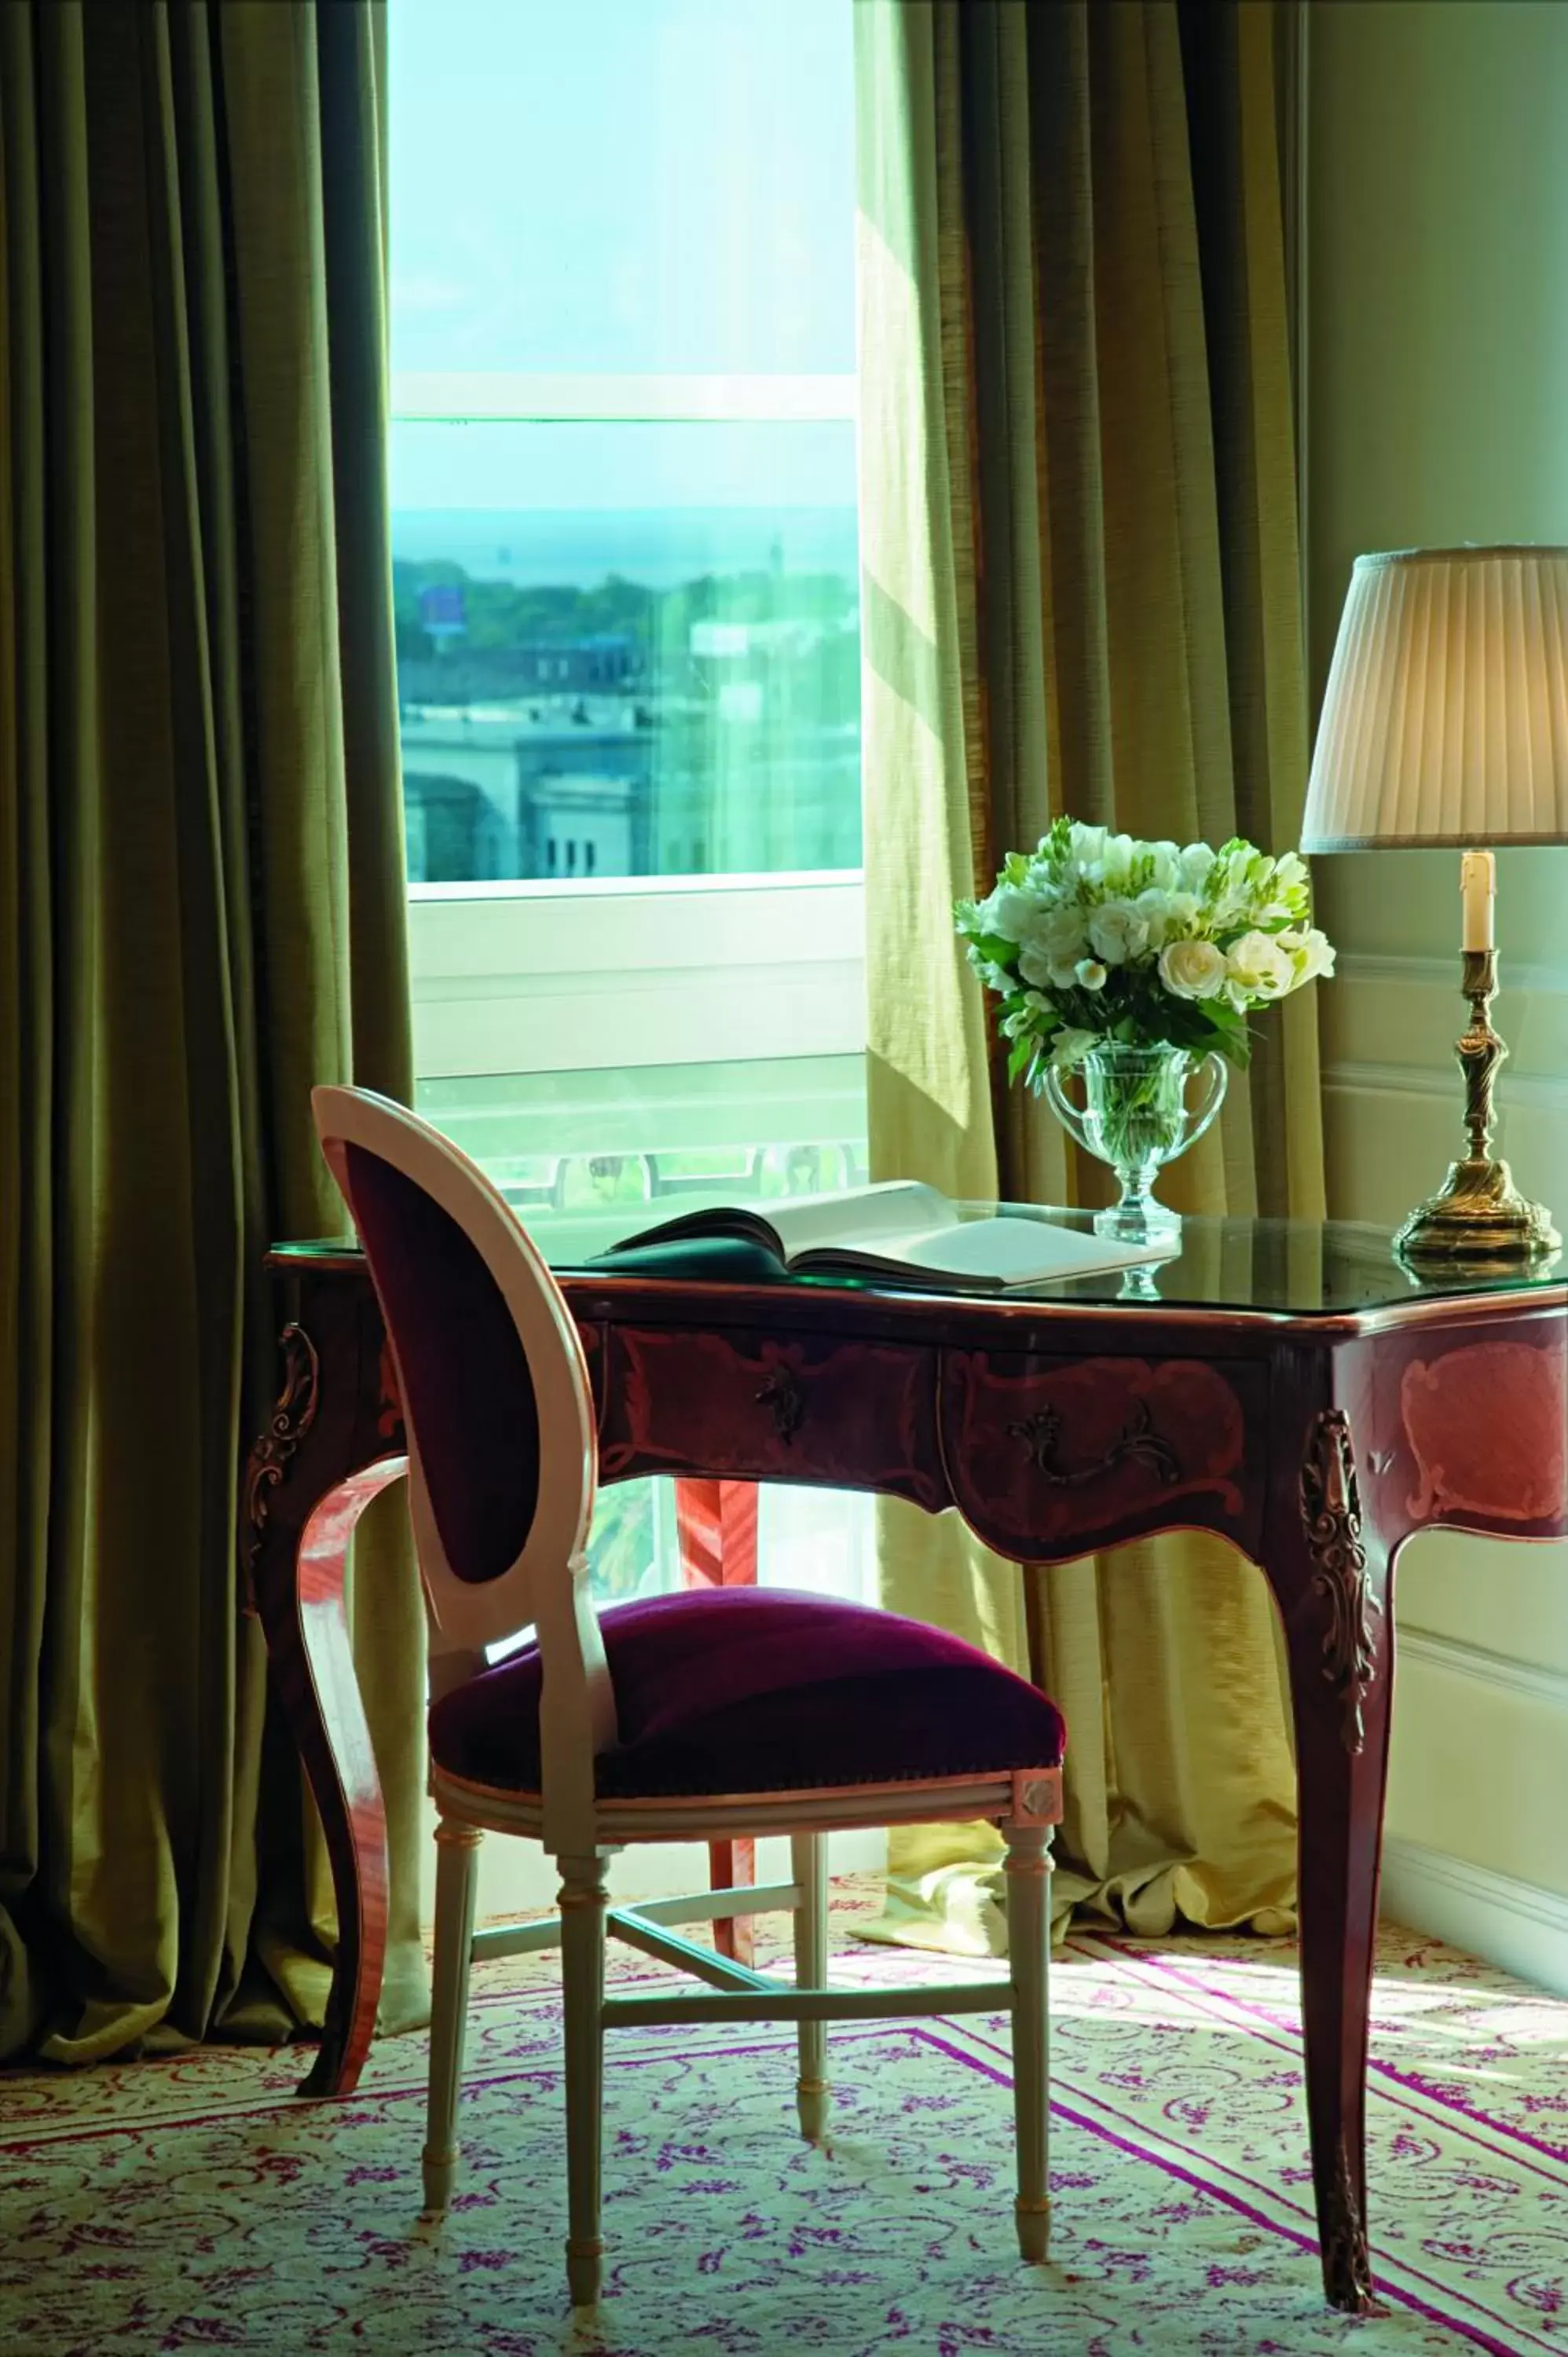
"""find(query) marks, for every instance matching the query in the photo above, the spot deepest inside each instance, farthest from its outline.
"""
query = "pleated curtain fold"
(201, 913)
(1081, 592)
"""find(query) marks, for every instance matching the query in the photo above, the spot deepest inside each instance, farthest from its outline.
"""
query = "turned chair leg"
(1028, 1952)
(456, 1859)
(808, 1867)
(583, 1906)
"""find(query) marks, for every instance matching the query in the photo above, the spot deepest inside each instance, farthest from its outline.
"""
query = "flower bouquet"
(1137, 964)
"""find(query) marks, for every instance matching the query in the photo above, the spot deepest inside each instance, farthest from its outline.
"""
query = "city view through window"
(626, 571)
(627, 607)
(659, 691)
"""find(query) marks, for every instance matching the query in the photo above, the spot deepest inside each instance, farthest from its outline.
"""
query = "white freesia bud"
(1070, 1046)
(1090, 975)
(1311, 952)
(1115, 862)
(1166, 914)
(1193, 969)
(1117, 933)
(1195, 863)
(1165, 865)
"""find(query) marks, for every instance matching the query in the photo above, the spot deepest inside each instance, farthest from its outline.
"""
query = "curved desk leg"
(312, 1656)
(349, 1795)
(305, 1486)
(716, 1522)
(1331, 1581)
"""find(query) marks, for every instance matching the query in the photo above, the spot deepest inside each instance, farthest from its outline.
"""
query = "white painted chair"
(692, 1716)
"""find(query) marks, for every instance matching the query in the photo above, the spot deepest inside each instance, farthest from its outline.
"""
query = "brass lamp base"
(1477, 1214)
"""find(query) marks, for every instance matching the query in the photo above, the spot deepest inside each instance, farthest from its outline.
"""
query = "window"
(623, 450)
(625, 579)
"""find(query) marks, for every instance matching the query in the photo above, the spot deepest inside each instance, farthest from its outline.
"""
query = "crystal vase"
(1136, 1117)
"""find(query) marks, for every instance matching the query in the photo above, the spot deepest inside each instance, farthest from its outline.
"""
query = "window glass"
(628, 185)
(627, 649)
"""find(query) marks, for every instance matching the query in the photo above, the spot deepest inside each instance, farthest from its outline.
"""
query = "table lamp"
(1445, 722)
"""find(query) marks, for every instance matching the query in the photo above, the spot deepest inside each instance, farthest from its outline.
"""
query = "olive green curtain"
(1081, 592)
(201, 913)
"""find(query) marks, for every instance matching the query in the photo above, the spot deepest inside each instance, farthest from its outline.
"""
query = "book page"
(858, 1218)
(1009, 1252)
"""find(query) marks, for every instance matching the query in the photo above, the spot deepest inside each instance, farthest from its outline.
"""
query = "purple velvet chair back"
(468, 1391)
(497, 1409)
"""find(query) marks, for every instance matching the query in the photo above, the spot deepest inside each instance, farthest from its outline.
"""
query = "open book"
(909, 1235)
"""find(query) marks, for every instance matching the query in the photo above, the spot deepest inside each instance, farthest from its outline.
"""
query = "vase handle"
(1062, 1105)
(1216, 1071)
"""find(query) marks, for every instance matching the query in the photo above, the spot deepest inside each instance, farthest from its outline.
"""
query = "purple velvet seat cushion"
(757, 1690)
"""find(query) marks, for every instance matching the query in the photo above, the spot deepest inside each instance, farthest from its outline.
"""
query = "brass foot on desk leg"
(1346, 2263)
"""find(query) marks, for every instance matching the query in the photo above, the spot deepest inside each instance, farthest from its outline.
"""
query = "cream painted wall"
(1435, 372)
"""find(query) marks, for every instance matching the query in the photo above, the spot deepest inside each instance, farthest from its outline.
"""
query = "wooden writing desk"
(1285, 1386)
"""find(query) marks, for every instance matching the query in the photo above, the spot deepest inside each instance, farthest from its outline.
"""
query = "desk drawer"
(842, 1413)
(1046, 1456)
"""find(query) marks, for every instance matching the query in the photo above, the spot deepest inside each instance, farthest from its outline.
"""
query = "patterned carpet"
(190, 2205)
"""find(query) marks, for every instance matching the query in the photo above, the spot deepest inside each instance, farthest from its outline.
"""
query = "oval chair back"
(498, 1414)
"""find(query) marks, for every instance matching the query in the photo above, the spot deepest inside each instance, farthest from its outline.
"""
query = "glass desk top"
(1294, 1268)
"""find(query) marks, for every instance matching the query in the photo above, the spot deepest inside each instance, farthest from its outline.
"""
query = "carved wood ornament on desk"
(1331, 1510)
(1056, 1429)
(293, 1415)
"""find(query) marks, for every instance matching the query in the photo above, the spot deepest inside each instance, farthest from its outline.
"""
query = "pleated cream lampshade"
(1445, 719)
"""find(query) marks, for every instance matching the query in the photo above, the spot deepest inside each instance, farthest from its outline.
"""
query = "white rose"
(1193, 969)
(1257, 968)
(1070, 1047)
(1089, 974)
(1117, 933)
(1055, 942)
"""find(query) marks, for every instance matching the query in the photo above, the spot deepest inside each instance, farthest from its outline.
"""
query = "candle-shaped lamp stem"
(1478, 896)
(1477, 1214)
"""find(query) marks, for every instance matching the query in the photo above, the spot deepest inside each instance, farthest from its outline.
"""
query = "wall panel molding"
(1513, 1923)
(1442, 973)
(1547, 1092)
(1529, 1680)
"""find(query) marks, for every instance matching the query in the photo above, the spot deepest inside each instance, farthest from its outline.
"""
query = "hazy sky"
(659, 185)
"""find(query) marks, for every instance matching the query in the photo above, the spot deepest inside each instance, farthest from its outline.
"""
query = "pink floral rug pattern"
(194, 2204)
